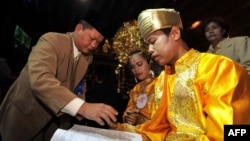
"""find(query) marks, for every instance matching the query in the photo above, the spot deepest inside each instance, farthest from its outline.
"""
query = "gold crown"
(127, 39)
(151, 20)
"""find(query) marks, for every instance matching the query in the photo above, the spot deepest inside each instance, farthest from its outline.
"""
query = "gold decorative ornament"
(126, 40)
(106, 46)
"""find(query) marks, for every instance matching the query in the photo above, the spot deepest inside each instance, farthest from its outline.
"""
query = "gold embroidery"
(184, 104)
(158, 93)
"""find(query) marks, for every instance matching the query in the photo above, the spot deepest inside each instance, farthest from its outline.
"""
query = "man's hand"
(99, 112)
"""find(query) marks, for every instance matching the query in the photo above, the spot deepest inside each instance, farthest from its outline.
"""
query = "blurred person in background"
(216, 30)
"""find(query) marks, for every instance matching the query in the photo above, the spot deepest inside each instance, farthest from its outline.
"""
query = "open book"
(85, 133)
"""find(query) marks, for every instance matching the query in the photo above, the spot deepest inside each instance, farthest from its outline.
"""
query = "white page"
(85, 133)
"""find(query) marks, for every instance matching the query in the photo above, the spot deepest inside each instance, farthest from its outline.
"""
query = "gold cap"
(151, 20)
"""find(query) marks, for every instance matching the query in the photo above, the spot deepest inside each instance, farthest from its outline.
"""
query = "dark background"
(36, 17)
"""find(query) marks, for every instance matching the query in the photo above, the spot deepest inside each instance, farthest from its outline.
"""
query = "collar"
(218, 46)
(76, 51)
(186, 60)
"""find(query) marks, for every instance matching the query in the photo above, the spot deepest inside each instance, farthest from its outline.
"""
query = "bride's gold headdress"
(126, 40)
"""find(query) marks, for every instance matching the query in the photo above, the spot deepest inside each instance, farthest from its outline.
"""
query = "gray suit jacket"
(236, 48)
(43, 87)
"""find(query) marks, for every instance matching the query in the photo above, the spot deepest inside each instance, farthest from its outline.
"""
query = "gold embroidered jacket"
(206, 92)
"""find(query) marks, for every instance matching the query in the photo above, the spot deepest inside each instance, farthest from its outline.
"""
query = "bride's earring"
(152, 73)
(135, 80)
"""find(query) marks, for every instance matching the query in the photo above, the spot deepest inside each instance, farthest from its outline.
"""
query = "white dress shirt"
(73, 106)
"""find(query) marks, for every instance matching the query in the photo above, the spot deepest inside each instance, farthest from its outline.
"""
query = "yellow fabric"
(205, 93)
(145, 114)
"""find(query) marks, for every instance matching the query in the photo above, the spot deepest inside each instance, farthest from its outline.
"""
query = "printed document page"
(85, 133)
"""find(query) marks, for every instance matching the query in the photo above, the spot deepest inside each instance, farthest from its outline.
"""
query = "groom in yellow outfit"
(201, 92)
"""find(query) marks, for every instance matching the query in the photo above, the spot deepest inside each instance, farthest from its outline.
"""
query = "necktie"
(74, 71)
(76, 61)
(80, 88)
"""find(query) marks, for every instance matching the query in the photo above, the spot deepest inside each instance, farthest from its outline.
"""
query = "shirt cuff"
(73, 106)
